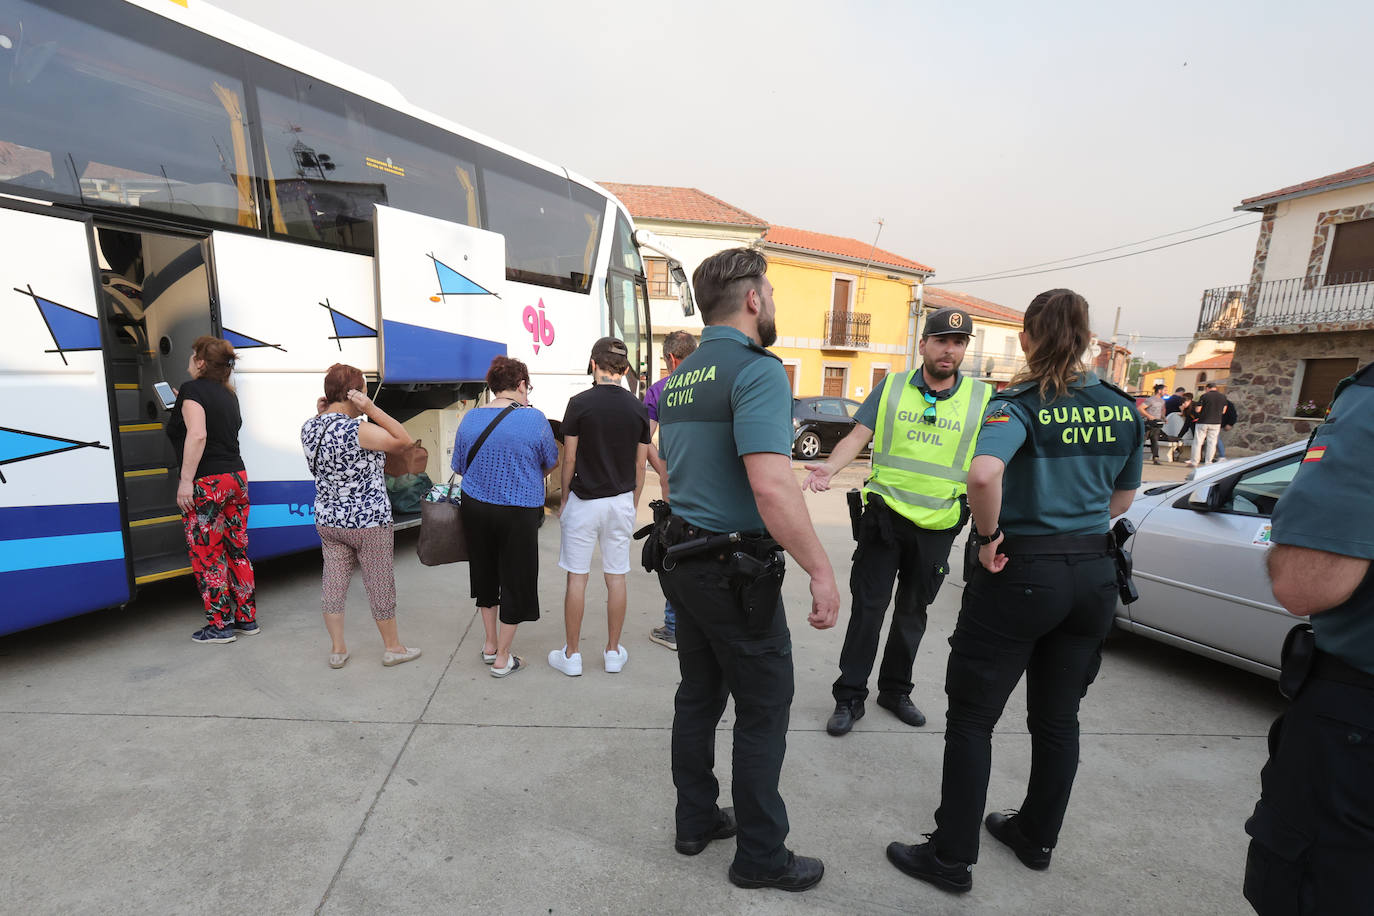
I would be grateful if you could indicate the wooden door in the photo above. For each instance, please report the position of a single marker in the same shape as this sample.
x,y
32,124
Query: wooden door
x,y
839,314
833,386
791,371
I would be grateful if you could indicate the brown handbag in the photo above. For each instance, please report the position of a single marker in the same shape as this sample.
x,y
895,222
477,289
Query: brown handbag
x,y
413,459
442,538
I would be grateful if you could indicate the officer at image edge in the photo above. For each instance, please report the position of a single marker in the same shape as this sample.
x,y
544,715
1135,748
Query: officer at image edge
x,y
1312,831
726,434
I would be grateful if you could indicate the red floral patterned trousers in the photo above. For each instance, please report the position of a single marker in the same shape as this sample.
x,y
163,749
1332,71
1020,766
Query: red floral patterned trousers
x,y
217,539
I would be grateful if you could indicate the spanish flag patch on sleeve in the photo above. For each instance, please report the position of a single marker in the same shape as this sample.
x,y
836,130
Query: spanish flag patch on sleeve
x,y
1314,454
996,418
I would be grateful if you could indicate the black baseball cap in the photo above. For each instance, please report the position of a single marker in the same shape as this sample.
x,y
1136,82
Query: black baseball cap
x,y
610,350
948,321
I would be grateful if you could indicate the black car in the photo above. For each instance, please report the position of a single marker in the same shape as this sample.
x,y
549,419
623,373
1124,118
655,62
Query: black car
x,y
818,423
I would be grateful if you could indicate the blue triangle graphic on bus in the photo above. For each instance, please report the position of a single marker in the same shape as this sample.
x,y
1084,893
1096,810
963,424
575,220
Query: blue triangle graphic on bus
x,y
16,446
243,341
347,327
452,283
71,330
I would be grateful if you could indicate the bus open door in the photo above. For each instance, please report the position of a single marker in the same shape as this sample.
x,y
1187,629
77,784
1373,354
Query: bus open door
x,y
63,537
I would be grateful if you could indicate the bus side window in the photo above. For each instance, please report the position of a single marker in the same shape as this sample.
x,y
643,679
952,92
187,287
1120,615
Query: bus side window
x,y
119,107
552,226
331,155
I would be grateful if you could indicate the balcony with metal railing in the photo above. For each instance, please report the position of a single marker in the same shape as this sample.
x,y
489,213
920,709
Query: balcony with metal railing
x,y
997,367
846,331
1345,301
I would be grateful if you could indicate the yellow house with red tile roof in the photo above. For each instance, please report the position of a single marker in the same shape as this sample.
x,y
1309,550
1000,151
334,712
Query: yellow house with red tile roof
x,y
846,310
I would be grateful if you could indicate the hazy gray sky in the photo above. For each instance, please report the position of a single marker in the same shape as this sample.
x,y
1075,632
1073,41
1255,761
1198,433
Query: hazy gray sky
x,y
987,135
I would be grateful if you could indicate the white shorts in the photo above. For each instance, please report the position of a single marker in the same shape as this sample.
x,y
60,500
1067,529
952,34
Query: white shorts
x,y
585,522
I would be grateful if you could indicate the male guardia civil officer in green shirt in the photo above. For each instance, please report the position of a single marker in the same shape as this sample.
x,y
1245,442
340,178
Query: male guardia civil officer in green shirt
x,y
926,422
726,421
1313,827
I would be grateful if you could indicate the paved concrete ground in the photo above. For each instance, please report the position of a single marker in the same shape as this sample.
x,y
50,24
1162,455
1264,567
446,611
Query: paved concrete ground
x,y
141,773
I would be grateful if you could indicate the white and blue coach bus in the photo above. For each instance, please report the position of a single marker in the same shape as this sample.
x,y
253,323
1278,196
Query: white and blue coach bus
x,y
168,170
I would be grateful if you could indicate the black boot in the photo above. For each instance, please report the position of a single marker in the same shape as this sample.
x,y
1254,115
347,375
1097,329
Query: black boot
x,y
902,707
846,713
1006,830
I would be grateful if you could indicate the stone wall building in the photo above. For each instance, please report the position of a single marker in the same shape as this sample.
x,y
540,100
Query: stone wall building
x,y
1264,398
1305,319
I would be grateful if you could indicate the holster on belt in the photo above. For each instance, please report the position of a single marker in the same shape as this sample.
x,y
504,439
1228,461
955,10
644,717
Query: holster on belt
x,y
1299,656
757,583
970,553
1125,586
655,533
855,499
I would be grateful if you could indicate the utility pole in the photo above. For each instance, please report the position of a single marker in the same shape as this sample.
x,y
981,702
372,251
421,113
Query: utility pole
x,y
1111,360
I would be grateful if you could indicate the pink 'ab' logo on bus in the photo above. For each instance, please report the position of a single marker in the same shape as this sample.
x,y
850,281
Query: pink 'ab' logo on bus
x,y
539,326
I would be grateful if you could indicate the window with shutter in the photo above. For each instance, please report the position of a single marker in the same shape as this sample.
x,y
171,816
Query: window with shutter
x,y
1352,253
1320,377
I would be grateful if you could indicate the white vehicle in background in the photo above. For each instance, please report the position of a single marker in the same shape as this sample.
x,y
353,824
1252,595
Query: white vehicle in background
x,y
1199,552
168,170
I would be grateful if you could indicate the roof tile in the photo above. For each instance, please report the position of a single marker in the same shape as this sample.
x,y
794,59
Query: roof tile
x,y
979,308
688,205
1220,361
854,249
1358,173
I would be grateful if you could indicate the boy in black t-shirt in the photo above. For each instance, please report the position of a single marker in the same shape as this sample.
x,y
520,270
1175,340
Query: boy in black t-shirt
x,y
605,446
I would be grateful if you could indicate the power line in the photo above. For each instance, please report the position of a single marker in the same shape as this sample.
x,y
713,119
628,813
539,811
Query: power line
x,y
986,277
1089,254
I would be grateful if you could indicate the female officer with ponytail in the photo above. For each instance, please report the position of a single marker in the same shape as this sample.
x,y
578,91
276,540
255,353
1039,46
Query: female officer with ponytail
x,y
1059,454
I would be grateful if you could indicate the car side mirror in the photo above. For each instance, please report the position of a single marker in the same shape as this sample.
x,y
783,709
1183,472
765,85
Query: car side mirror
x,y
1206,498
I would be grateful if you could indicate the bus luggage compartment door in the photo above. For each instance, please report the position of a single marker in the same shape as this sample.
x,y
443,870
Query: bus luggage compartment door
x,y
291,311
440,288
63,549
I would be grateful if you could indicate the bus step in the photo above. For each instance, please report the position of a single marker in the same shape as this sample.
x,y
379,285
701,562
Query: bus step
x,y
165,536
149,490
132,406
144,444
125,371
162,566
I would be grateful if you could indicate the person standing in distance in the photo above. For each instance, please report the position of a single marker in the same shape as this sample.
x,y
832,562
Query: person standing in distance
x,y
1312,833
1210,413
605,444
1153,412
926,423
677,346
1058,456
727,437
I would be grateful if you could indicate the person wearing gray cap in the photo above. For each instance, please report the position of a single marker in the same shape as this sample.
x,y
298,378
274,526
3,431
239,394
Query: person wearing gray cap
x,y
926,421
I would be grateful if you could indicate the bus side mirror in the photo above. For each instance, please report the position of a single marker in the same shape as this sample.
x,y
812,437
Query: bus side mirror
x,y
684,289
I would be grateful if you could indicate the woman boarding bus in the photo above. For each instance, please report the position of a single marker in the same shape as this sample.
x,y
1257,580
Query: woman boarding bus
x,y
170,171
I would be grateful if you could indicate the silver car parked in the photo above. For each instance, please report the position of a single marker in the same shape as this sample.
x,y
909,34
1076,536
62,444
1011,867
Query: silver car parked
x,y
1199,551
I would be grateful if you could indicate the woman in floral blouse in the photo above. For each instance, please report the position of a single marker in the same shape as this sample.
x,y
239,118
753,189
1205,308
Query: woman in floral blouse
x,y
352,512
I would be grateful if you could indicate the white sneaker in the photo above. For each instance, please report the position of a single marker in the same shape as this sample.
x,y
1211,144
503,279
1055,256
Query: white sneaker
x,y
616,660
559,659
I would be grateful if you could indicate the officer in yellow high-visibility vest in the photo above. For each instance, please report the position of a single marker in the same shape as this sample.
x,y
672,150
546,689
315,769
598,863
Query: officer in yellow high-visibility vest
x,y
926,423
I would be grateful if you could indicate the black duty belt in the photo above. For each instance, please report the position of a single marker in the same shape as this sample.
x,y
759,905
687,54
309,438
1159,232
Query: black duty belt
x,y
1329,667
688,540
1018,545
